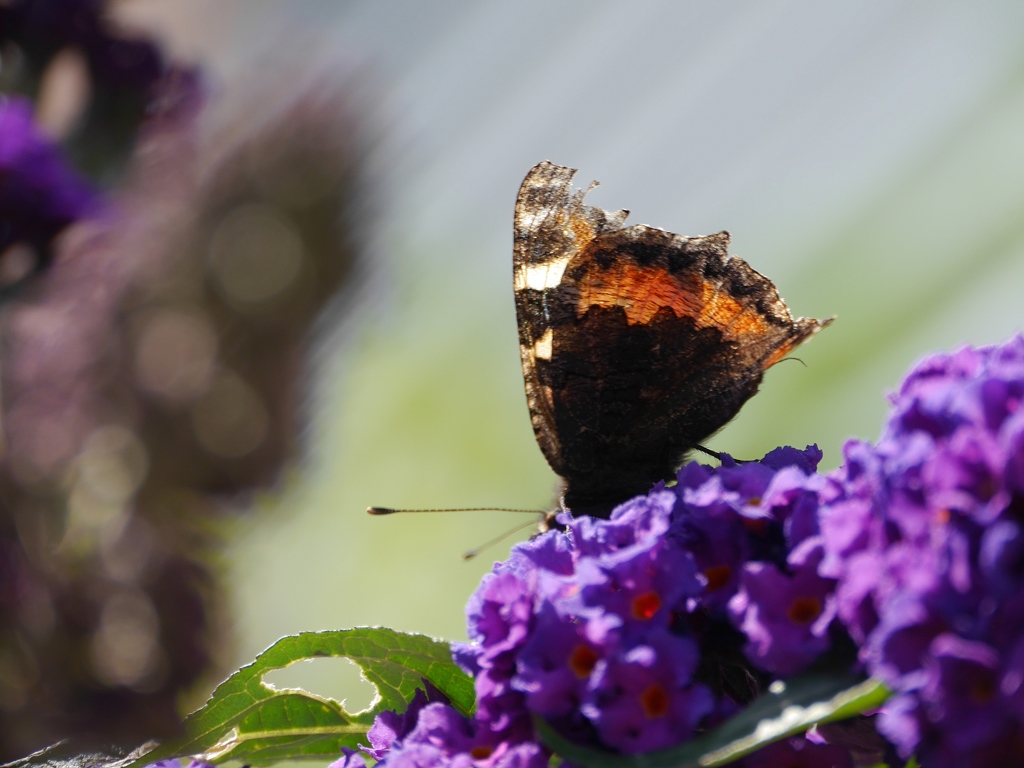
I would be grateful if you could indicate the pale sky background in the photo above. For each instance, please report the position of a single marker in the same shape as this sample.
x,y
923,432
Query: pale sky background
x,y
868,157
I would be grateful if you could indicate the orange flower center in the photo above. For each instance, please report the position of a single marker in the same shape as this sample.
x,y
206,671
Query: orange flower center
x,y
481,752
756,526
982,691
582,661
646,605
655,701
804,610
717,576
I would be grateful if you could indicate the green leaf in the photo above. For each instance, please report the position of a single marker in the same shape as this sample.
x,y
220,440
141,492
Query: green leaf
x,y
792,709
246,719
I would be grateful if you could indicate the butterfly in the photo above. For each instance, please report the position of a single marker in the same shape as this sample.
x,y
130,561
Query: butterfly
x,y
637,344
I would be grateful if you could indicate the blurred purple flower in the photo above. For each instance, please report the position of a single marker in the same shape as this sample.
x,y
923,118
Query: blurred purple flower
x,y
93,362
57,23
39,192
116,61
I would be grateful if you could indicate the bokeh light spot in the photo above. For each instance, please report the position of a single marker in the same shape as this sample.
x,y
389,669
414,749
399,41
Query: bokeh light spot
x,y
255,255
112,463
230,419
125,649
175,354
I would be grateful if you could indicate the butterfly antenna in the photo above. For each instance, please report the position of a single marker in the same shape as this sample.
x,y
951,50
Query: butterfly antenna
x,y
392,511
794,359
470,554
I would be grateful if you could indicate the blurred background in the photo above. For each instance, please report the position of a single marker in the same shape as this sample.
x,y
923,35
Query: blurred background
x,y
867,157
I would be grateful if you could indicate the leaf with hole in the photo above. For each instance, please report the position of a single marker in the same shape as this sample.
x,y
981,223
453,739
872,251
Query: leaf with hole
x,y
246,719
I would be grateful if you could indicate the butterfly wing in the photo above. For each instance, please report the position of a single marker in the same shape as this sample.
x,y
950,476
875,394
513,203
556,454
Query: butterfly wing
x,y
552,225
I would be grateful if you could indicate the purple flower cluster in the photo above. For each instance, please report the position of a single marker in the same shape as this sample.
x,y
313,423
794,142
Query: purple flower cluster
x,y
129,85
752,528
39,192
925,533
625,633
